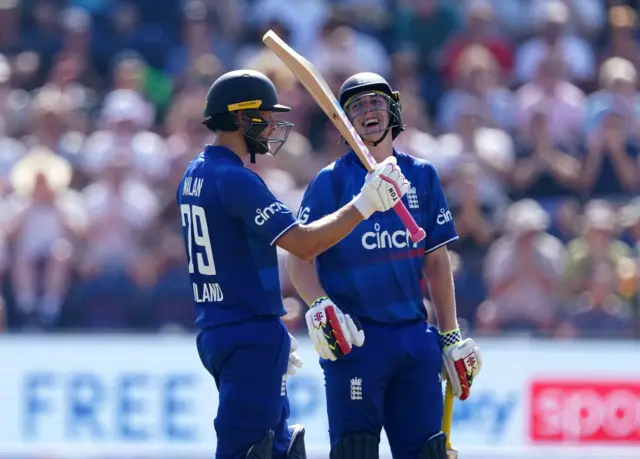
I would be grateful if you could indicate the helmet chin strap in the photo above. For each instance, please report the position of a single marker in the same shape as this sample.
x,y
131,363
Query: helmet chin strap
x,y
379,141
255,147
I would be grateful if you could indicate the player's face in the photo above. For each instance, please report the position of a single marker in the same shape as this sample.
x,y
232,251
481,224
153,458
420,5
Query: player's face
x,y
271,129
369,114
275,129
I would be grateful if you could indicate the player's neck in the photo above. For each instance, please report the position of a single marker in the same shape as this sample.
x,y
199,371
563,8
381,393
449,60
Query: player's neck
x,y
233,142
381,151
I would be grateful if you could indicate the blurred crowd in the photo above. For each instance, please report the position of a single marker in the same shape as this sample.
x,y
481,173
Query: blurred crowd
x,y
529,109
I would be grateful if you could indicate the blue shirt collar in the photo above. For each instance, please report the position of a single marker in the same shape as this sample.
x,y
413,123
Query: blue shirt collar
x,y
351,157
217,151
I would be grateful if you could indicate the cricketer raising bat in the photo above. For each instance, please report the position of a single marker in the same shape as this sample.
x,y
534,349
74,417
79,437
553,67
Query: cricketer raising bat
x,y
447,418
313,82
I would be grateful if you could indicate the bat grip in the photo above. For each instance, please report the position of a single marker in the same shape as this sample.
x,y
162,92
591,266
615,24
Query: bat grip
x,y
448,412
417,234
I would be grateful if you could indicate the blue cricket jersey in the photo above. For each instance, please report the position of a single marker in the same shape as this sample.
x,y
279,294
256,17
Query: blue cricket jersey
x,y
375,273
230,223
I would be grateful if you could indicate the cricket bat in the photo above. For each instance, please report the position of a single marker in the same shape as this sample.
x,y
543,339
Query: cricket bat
x,y
447,418
315,84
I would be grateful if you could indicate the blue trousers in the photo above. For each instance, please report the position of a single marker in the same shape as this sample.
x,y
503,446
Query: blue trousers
x,y
393,382
249,363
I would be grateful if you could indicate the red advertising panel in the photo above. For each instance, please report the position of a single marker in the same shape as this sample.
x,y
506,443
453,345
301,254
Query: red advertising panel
x,y
585,411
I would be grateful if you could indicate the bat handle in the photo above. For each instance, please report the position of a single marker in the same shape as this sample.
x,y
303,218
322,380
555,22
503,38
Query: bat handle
x,y
417,234
447,419
448,413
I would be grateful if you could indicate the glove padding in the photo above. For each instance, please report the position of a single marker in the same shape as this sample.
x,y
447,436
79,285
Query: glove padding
x,y
462,362
383,188
333,333
294,359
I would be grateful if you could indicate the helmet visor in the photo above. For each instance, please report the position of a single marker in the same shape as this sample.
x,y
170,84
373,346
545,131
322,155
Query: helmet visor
x,y
267,129
371,114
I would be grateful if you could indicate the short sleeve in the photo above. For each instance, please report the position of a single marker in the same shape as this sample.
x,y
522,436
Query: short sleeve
x,y
245,196
318,199
439,222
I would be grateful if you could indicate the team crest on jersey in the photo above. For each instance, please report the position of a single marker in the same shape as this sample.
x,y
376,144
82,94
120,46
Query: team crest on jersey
x,y
412,198
356,388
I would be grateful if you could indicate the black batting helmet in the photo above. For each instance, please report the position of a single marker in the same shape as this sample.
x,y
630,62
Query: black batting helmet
x,y
241,95
366,83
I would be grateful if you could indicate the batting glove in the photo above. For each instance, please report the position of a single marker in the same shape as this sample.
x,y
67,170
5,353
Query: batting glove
x,y
383,188
462,362
294,360
333,333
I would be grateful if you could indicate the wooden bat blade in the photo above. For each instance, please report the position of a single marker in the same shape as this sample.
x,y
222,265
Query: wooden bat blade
x,y
315,85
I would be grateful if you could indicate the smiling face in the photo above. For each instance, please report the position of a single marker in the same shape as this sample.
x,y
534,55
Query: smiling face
x,y
369,113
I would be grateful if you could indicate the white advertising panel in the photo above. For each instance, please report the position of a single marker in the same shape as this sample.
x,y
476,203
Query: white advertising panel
x,y
152,392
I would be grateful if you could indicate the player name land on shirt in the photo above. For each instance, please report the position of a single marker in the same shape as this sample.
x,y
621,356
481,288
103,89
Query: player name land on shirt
x,y
209,292
192,187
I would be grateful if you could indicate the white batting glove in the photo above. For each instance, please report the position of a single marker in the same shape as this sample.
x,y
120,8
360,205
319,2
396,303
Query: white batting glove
x,y
294,360
333,333
382,189
462,362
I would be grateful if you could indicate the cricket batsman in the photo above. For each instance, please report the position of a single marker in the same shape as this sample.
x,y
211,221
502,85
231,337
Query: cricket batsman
x,y
370,285
231,224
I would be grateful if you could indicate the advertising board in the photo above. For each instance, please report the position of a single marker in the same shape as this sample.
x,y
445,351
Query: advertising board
x,y
151,391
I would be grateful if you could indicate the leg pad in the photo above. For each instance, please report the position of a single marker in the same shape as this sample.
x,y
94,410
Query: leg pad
x,y
361,446
263,449
296,447
435,447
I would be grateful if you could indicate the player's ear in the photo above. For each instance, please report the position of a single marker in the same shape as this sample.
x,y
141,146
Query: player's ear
x,y
240,118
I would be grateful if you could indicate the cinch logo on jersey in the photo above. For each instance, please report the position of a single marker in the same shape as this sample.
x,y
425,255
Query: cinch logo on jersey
x,y
303,216
377,239
444,217
266,213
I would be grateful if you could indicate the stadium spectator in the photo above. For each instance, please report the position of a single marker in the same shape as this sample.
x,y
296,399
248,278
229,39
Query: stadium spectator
x,y
554,38
610,160
621,42
599,312
617,92
199,38
552,94
121,208
110,95
126,119
425,26
341,46
57,124
567,219
543,169
490,149
479,31
477,226
597,245
523,272
477,78
46,221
